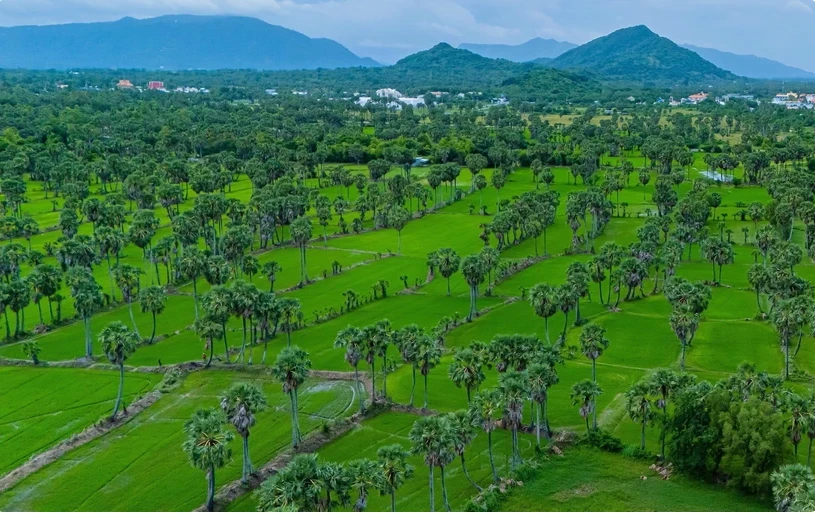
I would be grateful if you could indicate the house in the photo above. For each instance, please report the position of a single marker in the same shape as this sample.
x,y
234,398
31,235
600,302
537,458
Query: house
x,y
300,93
810,98
155,85
124,84
420,162
394,106
388,93
363,101
271,92
413,102
697,98
499,101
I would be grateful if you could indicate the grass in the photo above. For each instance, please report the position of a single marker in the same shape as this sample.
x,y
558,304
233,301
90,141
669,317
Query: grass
x,y
141,465
42,406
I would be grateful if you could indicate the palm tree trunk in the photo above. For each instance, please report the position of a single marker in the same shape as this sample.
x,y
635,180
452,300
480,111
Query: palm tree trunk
x,y
547,429
211,353
195,297
413,386
133,317
809,452
373,379
444,490
153,335
296,417
121,390
546,328
247,463
425,391
226,344
467,474
432,491
385,375
492,458
211,488
359,392
537,425
642,437
293,420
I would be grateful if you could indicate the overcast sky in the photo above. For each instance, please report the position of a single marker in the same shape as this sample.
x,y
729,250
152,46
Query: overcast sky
x,y
390,29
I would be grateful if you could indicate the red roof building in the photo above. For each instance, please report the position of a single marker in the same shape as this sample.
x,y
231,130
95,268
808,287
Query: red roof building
x,y
155,86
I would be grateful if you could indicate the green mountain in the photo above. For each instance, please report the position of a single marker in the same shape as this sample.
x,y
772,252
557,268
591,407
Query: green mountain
x,y
531,50
547,84
172,43
638,55
750,65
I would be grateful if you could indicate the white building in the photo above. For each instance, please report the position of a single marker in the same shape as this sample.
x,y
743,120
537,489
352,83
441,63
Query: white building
x,y
413,102
388,93
363,101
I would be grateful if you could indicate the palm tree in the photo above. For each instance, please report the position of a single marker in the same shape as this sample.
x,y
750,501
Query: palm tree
x,y
336,479
463,434
217,303
209,331
353,340
288,307
364,476
296,487
291,368
585,394
465,371
270,270
544,300
118,343
787,322
485,409
473,269
448,262
541,376
376,339
684,324
87,300
127,279
793,488
428,355
240,403
193,265
407,342
432,438
110,243
513,386
809,424
45,280
301,232
665,383
153,299
593,342
490,257
638,406
244,296
394,468
207,446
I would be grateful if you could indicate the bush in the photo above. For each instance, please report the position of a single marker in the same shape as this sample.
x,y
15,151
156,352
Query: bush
x,y
636,452
603,440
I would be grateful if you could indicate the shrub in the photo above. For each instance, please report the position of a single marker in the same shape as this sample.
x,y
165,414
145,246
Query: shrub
x,y
636,452
603,440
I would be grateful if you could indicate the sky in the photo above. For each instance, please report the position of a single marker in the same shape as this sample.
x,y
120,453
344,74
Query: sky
x,y
388,30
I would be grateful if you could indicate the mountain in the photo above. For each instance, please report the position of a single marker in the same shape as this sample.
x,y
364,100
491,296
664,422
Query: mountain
x,y
750,65
524,52
548,84
637,54
173,43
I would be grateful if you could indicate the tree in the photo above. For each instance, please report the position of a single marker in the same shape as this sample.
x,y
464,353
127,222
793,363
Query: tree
x,y
428,355
684,324
217,304
638,406
541,377
118,343
110,242
485,410
193,265
270,270
793,488
398,218
465,371
240,403
353,341
476,163
292,368
544,300
665,383
432,438
209,331
585,394
593,343
207,446
46,281
364,475
288,308
301,233
127,279
153,300
513,385
473,269
394,468
87,300
32,350
448,262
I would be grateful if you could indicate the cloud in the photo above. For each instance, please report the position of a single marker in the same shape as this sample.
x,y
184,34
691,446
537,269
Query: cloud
x,y
388,30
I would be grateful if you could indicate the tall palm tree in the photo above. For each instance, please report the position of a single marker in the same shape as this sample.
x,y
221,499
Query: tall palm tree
x,y
270,270
585,394
87,301
336,480
485,410
461,423
365,475
353,341
209,331
407,342
288,307
291,368
432,438
110,243
513,386
593,343
217,305
244,296
193,265
428,355
684,324
541,376
638,406
465,371
118,343
153,300
296,487
240,403
394,468
544,300
301,232
665,383
127,279
207,446
376,340
473,269
448,262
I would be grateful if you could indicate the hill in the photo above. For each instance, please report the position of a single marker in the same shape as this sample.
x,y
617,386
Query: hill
x,y
549,84
750,65
639,55
173,43
533,49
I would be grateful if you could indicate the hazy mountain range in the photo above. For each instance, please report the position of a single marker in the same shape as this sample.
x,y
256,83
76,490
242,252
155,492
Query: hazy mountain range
x,y
524,52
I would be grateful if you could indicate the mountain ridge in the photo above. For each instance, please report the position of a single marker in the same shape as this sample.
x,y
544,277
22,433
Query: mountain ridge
x,y
535,48
750,66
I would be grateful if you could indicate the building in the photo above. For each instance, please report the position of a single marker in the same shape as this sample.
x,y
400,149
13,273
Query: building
x,y
388,93
499,101
271,92
124,84
698,98
363,101
413,102
155,85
